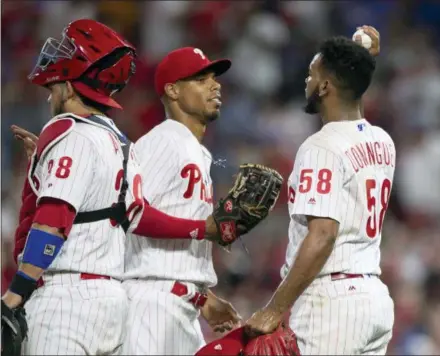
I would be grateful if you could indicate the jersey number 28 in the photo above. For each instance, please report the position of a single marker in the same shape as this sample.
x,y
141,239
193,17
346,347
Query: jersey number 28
x,y
375,221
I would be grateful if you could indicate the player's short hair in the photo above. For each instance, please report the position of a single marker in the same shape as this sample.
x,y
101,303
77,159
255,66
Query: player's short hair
x,y
351,65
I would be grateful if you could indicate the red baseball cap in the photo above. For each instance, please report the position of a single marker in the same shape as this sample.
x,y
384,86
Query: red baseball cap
x,y
184,63
231,344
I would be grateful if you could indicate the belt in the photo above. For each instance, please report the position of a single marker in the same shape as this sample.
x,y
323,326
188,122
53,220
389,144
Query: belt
x,y
339,275
180,290
82,276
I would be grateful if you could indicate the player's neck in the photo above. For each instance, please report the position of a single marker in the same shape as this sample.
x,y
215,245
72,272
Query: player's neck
x,y
82,110
341,112
196,127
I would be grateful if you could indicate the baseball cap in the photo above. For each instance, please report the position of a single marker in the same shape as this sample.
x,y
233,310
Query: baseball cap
x,y
183,63
232,343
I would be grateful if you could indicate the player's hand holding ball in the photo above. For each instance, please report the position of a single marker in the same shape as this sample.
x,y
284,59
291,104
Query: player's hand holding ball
x,y
368,37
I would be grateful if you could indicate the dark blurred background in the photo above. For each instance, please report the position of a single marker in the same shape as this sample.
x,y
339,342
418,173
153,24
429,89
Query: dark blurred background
x,y
271,44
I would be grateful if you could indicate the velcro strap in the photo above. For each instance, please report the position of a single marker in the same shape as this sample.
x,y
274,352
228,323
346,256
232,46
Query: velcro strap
x,y
116,212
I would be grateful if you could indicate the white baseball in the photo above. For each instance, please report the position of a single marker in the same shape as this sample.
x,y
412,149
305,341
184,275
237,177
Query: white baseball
x,y
365,39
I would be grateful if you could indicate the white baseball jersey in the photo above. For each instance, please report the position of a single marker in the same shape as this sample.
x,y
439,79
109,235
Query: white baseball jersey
x,y
84,169
344,172
176,174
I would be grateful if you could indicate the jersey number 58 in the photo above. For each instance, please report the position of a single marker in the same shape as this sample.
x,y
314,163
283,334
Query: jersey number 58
x,y
375,221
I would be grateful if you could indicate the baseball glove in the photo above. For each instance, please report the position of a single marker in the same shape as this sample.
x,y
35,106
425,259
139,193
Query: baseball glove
x,y
254,194
14,330
281,342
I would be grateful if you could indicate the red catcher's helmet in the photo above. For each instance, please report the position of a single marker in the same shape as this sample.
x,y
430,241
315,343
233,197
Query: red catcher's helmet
x,y
94,58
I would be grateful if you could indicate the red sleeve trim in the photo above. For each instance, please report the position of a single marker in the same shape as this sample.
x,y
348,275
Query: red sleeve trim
x,y
158,225
55,213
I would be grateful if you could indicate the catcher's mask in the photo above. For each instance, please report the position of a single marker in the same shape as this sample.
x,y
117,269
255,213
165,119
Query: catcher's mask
x,y
97,60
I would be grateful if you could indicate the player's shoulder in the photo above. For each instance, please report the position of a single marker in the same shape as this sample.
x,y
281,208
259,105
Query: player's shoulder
x,y
62,127
319,141
162,136
57,129
381,133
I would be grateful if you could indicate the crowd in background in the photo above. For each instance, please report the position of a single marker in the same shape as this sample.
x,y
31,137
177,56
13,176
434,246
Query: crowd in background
x,y
271,44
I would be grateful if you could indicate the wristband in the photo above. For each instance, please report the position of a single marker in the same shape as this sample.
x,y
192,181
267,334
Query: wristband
x,y
23,285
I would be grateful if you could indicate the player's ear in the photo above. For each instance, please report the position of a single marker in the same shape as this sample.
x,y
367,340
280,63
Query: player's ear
x,y
172,90
324,87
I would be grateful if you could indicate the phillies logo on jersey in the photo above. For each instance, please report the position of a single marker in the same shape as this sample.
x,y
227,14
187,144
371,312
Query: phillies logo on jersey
x,y
194,175
227,230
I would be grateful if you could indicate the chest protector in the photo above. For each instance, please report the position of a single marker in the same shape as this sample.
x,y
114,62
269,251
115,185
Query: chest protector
x,y
118,211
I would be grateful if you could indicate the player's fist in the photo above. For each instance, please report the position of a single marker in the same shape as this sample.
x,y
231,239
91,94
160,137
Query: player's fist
x,y
28,138
263,321
375,39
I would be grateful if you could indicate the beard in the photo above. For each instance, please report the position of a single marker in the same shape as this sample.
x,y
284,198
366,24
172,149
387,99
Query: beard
x,y
313,103
211,116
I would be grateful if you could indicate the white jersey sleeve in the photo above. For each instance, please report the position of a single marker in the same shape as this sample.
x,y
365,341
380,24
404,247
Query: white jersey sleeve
x,y
317,183
67,170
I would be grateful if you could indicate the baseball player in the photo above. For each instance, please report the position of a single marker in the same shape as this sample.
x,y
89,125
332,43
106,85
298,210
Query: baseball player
x,y
85,177
338,196
168,280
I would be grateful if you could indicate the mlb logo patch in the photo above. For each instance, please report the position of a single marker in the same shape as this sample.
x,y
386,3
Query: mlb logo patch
x,y
49,250
361,127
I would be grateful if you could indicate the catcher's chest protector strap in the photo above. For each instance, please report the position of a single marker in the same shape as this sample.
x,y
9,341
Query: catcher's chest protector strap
x,y
118,211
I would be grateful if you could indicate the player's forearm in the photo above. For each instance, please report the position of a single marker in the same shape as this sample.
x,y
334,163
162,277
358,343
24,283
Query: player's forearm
x,y
34,271
43,245
156,224
312,256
